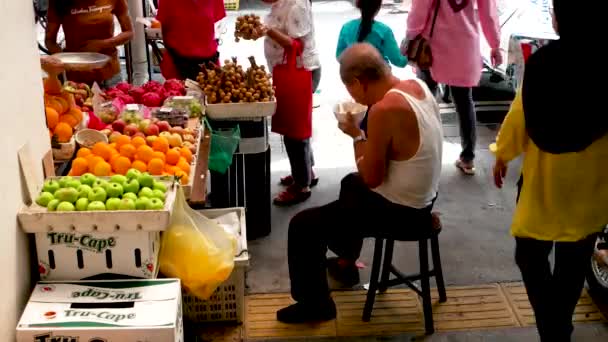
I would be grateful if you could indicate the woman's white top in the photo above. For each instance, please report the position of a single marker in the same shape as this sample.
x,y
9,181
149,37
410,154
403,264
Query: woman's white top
x,y
415,182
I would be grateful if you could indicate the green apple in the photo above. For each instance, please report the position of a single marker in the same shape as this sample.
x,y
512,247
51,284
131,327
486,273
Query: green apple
x,y
98,194
119,179
158,194
82,204
156,204
131,186
146,192
142,203
52,206
73,183
114,190
160,186
67,195
88,179
130,195
51,186
146,180
96,206
126,204
63,181
84,191
112,203
44,198
133,174
65,206
101,183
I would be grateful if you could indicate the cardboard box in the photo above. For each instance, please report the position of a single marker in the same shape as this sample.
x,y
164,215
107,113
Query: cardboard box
x,y
79,255
103,311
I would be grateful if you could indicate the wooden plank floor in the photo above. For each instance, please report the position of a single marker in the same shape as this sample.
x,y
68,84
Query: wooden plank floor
x,y
400,311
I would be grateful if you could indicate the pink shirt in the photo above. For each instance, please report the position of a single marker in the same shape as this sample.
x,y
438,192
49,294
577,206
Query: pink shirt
x,y
455,43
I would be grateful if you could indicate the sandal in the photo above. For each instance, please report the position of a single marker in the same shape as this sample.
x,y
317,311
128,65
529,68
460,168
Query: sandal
x,y
468,168
292,195
288,181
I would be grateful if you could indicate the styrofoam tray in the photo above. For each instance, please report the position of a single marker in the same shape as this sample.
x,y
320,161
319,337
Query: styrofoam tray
x,y
37,219
225,111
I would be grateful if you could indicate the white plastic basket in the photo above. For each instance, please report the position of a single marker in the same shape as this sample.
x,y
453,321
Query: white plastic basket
x,y
227,304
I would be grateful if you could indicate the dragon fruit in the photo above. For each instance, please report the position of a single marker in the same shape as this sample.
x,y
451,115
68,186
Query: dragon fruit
x,y
126,99
152,86
137,93
152,99
175,85
114,92
124,87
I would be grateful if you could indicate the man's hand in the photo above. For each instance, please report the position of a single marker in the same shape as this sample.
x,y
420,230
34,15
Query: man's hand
x,y
349,127
500,171
52,65
496,57
94,46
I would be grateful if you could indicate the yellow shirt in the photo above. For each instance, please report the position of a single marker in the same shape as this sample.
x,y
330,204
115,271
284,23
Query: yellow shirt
x,y
564,196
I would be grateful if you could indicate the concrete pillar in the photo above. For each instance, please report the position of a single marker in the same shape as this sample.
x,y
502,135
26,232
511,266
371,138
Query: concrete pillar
x,y
138,56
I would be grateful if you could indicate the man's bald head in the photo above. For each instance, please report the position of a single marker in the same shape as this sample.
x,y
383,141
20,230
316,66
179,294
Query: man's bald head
x,y
364,63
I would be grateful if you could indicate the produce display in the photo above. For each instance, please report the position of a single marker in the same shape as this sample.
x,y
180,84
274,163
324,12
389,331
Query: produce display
x,y
192,105
134,191
152,94
62,113
248,27
232,84
83,95
156,155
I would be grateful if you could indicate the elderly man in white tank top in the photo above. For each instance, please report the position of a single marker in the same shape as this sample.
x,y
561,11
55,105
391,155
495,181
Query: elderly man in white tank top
x,y
392,194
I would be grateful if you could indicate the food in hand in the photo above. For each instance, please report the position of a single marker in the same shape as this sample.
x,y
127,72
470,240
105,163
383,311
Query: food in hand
x,y
232,84
248,27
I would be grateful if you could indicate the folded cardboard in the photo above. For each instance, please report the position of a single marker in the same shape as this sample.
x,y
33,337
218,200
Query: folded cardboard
x,y
108,311
76,255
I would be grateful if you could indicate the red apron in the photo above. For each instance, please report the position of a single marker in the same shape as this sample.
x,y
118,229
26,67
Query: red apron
x,y
293,92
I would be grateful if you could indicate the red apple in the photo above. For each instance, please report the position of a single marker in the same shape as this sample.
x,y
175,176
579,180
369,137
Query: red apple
x,y
139,134
150,139
176,129
119,126
163,126
152,129
130,130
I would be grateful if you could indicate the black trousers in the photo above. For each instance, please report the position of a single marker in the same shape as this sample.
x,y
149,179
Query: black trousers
x,y
190,67
299,152
341,226
554,294
465,108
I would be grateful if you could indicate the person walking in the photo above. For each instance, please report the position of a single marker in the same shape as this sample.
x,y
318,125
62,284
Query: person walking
x,y
452,29
563,192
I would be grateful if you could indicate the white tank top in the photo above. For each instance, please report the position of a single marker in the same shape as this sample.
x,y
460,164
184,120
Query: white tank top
x,y
415,182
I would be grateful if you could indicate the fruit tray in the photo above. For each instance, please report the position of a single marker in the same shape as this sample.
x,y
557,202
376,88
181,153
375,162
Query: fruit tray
x,y
37,219
249,110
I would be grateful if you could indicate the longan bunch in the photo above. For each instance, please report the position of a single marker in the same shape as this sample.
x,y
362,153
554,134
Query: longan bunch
x,y
231,84
248,27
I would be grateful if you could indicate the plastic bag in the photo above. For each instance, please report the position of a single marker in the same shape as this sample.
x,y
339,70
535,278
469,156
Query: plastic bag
x,y
223,146
196,250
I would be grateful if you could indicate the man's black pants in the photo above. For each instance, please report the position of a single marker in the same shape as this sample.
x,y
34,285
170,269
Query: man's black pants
x,y
554,295
341,226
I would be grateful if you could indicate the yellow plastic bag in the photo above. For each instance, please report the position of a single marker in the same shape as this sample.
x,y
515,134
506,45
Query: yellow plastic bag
x,y
196,250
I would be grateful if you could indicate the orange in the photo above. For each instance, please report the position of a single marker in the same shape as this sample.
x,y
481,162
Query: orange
x,y
145,153
184,165
138,141
102,169
103,150
172,156
160,156
70,99
69,119
139,165
114,158
128,150
93,161
52,85
186,153
63,132
52,117
53,103
183,177
173,170
65,106
122,140
77,113
121,165
113,146
161,144
156,166
83,152
80,166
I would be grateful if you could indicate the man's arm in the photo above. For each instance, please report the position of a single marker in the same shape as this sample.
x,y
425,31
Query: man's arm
x,y
52,28
121,11
372,155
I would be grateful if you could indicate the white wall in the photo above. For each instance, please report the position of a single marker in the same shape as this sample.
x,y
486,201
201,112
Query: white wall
x,y
23,121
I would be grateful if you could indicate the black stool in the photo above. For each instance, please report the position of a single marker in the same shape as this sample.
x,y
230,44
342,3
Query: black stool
x,y
424,275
